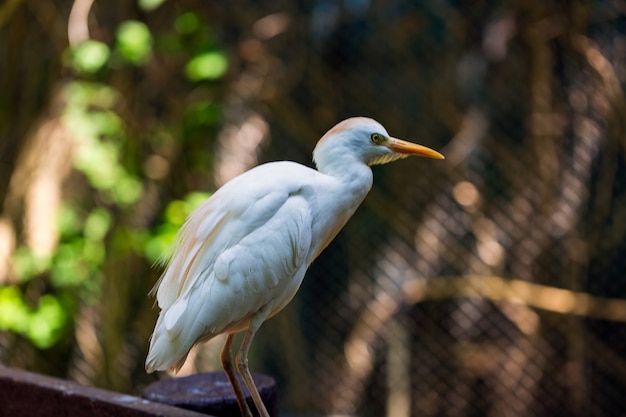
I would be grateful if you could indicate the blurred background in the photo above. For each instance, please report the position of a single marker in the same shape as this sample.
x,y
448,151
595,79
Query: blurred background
x,y
489,284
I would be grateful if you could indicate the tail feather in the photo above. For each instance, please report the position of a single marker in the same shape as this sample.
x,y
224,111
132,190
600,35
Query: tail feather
x,y
165,353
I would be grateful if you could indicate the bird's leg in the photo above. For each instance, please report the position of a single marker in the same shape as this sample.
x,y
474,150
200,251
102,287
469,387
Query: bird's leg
x,y
242,365
226,358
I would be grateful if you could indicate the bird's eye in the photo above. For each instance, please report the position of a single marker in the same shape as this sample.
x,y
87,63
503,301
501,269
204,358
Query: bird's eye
x,y
377,138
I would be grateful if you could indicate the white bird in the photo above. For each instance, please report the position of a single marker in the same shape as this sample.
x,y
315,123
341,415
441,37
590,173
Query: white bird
x,y
241,256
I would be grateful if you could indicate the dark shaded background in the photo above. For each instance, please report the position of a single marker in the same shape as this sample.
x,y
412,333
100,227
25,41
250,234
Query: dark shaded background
x,y
488,284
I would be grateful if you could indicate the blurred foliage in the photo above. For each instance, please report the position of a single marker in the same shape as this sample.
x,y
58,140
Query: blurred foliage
x,y
111,208
206,66
157,242
100,135
42,324
88,56
496,286
134,42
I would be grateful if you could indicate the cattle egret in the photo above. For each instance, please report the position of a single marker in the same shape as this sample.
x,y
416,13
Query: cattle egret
x,y
241,256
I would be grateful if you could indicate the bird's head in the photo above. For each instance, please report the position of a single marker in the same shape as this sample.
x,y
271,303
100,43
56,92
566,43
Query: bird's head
x,y
366,140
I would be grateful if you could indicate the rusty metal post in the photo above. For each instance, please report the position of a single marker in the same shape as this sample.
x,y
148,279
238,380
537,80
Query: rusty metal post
x,y
210,393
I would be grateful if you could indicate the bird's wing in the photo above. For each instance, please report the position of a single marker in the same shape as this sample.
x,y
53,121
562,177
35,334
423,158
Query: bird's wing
x,y
219,223
262,271
243,252
253,232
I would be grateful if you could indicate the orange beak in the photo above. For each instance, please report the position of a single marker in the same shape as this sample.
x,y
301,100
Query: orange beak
x,y
408,148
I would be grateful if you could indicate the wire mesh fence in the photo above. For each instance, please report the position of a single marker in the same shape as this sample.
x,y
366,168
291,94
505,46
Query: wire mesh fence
x,y
489,284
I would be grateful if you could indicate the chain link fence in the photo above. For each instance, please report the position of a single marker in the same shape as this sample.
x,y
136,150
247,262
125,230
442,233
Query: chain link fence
x,y
491,284
488,284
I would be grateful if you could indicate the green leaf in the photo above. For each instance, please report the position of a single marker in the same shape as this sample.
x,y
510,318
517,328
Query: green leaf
x,y
81,95
27,265
70,267
206,66
68,221
89,56
187,23
176,213
47,322
127,191
202,114
134,42
149,5
14,314
97,224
